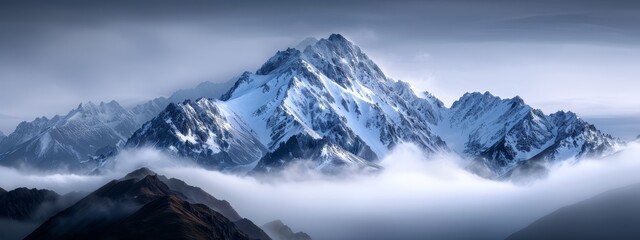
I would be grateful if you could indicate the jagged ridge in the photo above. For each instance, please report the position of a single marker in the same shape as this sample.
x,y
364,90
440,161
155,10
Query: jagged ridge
x,y
87,135
331,98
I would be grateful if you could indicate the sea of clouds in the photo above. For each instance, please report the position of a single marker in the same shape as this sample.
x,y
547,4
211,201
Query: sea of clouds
x,y
412,198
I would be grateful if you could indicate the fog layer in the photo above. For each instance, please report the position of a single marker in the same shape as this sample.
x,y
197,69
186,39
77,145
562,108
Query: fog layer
x,y
413,198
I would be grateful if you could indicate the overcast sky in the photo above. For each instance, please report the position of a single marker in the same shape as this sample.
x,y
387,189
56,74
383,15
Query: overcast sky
x,y
581,56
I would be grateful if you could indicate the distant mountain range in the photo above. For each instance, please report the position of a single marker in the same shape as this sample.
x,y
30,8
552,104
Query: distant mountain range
x,y
79,140
141,205
324,102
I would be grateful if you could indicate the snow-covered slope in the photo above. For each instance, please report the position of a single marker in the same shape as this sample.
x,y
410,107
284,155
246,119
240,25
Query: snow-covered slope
x,y
205,131
502,133
334,94
66,141
327,102
86,135
2,136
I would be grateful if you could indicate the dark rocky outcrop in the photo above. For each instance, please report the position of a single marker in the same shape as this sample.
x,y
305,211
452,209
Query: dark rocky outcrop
x,y
142,206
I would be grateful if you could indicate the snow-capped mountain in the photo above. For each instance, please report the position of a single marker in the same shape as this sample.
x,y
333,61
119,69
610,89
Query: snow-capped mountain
x,y
324,102
2,136
87,134
202,130
504,133
331,104
66,141
334,94
329,100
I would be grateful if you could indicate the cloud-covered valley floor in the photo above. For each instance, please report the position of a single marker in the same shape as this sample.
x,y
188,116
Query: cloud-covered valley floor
x,y
413,198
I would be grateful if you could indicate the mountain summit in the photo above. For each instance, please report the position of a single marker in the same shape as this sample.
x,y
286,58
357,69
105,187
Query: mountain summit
x,y
331,105
325,104
145,205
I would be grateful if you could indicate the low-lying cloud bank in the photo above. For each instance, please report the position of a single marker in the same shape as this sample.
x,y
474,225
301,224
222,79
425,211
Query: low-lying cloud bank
x,y
413,198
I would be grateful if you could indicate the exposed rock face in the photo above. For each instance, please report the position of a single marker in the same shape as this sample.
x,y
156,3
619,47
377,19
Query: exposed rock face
x,y
22,209
24,204
253,231
212,136
142,206
190,193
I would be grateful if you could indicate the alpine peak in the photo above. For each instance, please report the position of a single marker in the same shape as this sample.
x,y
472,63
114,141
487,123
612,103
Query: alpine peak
x,y
331,104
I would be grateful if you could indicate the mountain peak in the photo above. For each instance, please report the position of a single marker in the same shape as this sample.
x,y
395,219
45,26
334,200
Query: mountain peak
x,y
564,116
153,207
518,99
344,62
280,59
474,97
139,174
331,103
337,44
486,98
336,37
86,105
102,107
